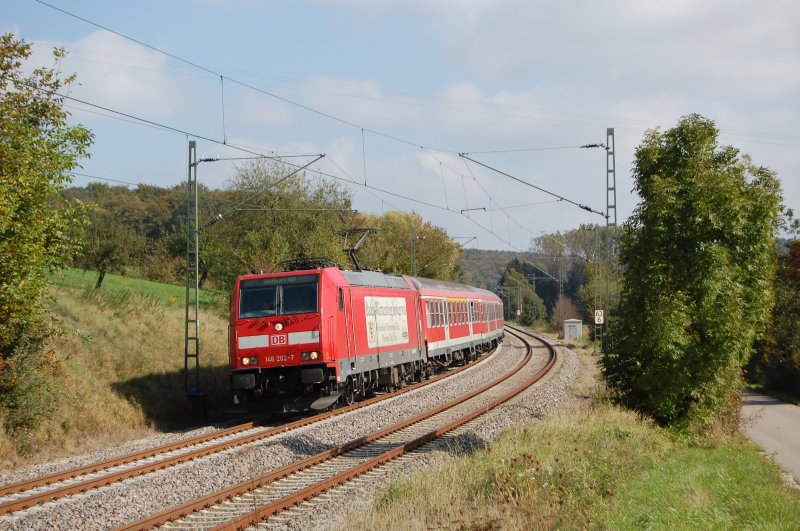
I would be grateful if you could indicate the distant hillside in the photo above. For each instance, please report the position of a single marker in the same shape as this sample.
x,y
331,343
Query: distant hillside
x,y
483,268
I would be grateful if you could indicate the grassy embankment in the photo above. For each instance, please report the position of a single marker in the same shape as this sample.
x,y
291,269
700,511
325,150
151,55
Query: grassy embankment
x,y
593,465
120,365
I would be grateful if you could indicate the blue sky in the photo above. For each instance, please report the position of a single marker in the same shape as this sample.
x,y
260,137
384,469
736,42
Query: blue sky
x,y
447,76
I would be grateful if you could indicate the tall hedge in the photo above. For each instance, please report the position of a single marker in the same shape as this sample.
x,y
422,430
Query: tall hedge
x,y
699,259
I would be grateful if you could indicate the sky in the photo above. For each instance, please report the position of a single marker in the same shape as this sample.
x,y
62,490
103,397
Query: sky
x,y
392,92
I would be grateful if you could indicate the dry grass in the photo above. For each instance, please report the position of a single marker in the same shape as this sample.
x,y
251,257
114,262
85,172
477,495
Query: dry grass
x,y
592,465
120,360
549,474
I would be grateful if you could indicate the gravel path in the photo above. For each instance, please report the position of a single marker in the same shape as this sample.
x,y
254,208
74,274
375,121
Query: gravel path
x,y
140,497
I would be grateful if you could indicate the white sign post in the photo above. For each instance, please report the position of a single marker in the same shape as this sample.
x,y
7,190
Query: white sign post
x,y
598,317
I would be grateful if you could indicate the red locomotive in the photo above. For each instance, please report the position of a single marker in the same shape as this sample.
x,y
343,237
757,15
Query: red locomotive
x,y
306,339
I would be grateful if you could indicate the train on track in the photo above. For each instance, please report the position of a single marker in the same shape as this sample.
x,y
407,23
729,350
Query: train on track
x,y
307,339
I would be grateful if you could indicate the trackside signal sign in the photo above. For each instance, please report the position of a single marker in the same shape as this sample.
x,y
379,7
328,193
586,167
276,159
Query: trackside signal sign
x,y
598,317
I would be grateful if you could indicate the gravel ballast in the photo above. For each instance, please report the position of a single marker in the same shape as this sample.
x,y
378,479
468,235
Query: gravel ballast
x,y
137,498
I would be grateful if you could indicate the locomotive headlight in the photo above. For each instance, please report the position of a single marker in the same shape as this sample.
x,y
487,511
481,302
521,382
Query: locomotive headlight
x,y
279,326
304,355
245,361
313,355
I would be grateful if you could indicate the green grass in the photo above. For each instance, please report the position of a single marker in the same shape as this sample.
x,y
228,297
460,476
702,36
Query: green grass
x,y
591,467
728,487
118,367
168,294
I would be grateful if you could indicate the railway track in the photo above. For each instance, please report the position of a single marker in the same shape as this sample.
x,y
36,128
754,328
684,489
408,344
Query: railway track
x,y
26,494
260,498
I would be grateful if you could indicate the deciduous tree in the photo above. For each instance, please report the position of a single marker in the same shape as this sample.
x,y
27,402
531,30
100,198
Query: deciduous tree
x,y
37,232
699,258
521,296
779,358
109,245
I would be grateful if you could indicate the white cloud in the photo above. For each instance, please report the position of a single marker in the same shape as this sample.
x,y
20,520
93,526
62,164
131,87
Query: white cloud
x,y
483,75
117,73
248,108
746,48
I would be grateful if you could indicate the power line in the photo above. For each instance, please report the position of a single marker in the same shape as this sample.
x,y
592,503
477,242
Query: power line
x,y
521,150
526,183
112,117
491,199
73,15
524,205
78,174
219,216
258,157
159,125
583,116
505,109
174,129
238,82
259,90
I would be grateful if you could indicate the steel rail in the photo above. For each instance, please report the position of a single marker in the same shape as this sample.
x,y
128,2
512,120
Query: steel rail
x,y
262,513
99,466
25,502
254,483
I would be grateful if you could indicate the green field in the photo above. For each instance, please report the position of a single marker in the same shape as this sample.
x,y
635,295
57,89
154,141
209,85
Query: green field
x,y
168,294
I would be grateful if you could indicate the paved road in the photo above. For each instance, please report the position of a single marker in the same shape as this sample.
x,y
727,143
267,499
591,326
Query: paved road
x,y
775,426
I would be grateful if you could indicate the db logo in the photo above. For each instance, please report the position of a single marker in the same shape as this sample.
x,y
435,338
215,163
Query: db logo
x,y
277,340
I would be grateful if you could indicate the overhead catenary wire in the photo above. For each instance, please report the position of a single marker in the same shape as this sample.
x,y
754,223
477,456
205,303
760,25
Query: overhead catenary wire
x,y
523,150
277,157
486,192
238,82
86,175
222,77
257,89
364,154
526,183
219,216
444,185
168,127
222,96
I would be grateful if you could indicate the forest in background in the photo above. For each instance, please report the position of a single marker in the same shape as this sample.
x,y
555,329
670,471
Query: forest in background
x,y
140,231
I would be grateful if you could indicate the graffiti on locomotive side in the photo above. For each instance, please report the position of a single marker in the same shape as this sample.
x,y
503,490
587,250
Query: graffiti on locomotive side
x,y
387,321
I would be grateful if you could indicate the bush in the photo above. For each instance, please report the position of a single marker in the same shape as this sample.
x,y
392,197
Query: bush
x,y
28,390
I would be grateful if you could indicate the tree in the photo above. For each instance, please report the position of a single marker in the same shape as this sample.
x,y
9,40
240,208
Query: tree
x,y
698,257
516,285
564,309
38,231
779,357
405,243
109,245
300,217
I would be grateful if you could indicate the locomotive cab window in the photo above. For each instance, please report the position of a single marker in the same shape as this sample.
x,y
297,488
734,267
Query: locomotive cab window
x,y
264,297
258,302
